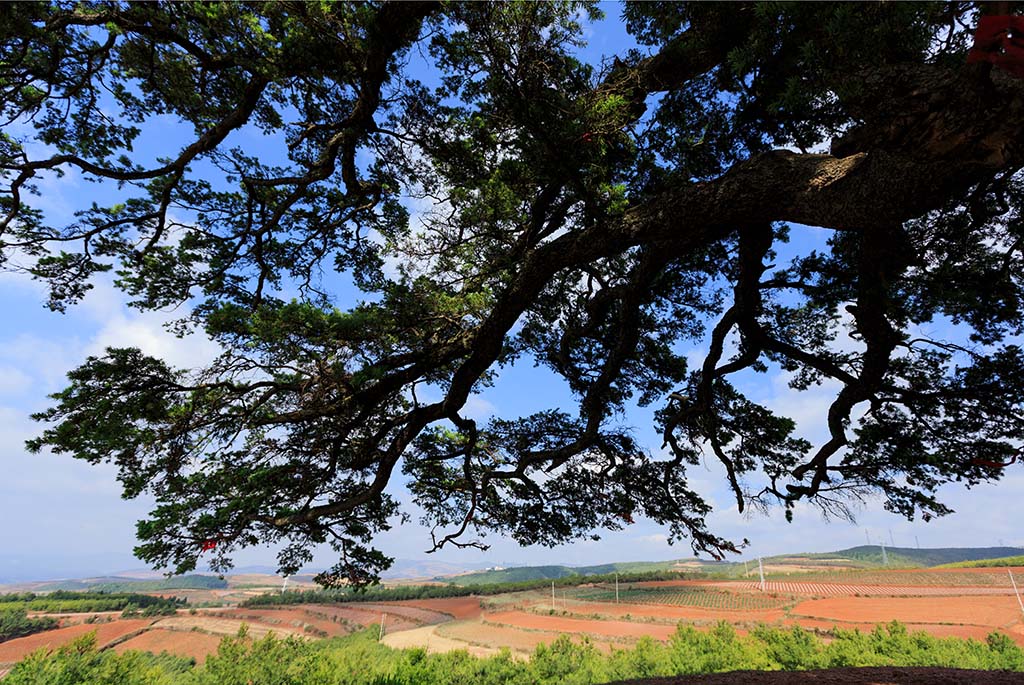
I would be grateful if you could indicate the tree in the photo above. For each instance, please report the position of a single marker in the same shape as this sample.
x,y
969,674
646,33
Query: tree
x,y
600,220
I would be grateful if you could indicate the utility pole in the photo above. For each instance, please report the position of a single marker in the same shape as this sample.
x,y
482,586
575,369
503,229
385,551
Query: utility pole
x,y
1016,591
891,538
867,536
885,557
746,571
552,595
760,568
918,542
616,588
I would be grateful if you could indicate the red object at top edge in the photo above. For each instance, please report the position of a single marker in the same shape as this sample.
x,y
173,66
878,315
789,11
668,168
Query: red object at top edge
x,y
999,39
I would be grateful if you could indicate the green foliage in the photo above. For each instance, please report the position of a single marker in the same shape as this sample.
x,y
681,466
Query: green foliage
x,y
987,563
360,660
63,601
598,220
79,663
14,623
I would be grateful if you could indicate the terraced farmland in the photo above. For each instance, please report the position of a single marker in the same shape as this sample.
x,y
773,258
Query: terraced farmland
x,y
954,578
692,596
864,590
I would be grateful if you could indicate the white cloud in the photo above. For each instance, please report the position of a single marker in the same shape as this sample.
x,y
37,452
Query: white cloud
x,y
13,381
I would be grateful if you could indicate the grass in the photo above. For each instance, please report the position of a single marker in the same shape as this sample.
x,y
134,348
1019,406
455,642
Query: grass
x,y
987,563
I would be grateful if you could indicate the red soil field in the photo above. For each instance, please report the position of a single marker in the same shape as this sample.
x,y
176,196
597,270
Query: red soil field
x,y
357,615
406,611
187,644
456,607
17,649
486,635
674,613
979,611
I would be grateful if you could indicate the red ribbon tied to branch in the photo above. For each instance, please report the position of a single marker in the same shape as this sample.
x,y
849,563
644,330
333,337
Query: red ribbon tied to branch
x,y
208,545
999,39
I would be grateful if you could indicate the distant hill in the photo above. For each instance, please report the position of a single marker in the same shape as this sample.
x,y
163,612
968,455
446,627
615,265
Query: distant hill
x,y
871,555
521,573
863,557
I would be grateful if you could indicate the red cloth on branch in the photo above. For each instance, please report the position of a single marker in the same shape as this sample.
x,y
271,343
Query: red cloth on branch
x,y
999,39
996,464
208,545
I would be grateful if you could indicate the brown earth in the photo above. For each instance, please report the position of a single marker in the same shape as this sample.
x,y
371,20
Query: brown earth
x,y
407,612
188,644
844,676
19,648
493,637
456,607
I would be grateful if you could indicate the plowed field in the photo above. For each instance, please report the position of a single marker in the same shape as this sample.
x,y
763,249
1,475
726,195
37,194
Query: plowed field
x,y
559,624
689,595
456,607
994,612
661,613
188,644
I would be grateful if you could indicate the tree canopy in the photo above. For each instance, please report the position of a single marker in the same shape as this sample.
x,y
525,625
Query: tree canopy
x,y
601,219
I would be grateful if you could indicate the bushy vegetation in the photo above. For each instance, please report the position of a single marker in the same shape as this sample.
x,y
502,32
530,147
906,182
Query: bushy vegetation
x,y
360,660
64,602
394,594
15,623
988,563
190,582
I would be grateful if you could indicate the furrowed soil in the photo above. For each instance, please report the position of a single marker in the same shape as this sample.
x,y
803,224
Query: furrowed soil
x,y
994,612
559,624
188,644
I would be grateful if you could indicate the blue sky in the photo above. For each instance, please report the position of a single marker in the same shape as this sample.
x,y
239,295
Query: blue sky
x,y
60,517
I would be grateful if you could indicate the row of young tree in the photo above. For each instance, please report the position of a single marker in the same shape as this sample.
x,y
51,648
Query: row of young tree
x,y
62,601
360,660
380,593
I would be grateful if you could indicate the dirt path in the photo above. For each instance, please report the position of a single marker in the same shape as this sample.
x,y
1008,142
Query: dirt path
x,y
427,638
